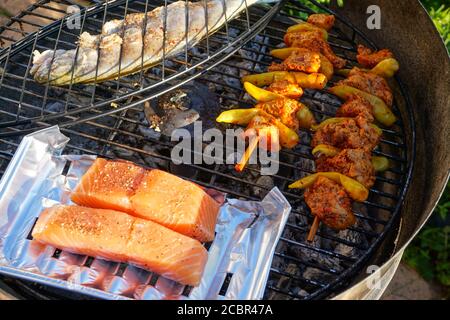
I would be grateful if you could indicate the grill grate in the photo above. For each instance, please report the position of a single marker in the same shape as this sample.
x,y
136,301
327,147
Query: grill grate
x,y
300,270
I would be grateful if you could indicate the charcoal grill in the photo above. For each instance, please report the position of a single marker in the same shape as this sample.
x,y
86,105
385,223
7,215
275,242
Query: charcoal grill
x,y
108,119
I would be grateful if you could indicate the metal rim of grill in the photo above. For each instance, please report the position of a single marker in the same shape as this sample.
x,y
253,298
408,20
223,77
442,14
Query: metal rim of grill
x,y
106,129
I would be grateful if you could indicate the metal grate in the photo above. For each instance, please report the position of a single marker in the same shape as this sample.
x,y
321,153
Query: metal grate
x,y
27,103
300,270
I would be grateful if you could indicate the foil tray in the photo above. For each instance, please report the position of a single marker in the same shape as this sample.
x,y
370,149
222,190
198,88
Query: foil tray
x,y
40,176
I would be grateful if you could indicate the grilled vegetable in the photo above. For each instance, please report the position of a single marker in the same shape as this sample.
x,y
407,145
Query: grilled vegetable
x,y
326,67
305,26
288,137
304,80
241,117
386,68
355,189
259,94
381,111
262,131
380,164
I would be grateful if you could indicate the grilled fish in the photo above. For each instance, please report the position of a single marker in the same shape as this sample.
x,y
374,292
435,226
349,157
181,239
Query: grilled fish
x,y
117,236
125,47
154,195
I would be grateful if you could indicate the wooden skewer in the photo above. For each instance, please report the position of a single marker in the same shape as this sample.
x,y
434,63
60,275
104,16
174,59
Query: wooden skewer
x,y
247,154
313,230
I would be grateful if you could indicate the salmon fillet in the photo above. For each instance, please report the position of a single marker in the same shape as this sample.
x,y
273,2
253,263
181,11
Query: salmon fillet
x,y
108,185
177,204
154,195
117,236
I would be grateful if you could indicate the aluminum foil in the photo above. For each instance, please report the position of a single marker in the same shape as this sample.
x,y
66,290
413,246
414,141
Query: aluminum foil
x,y
40,176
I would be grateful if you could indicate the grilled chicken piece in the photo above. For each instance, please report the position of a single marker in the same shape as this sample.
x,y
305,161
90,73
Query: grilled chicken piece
x,y
356,107
314,41
348,134
286,88
330,203
369,59
283,109
370,83
300,60
325,21
353,163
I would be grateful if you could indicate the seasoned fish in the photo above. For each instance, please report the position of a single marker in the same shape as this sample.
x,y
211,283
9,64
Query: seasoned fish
x,y
116,236
122,43
154,195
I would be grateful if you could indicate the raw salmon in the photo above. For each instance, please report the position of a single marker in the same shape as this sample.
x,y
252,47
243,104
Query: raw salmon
x,y
117,236
176,204
155,195
108,185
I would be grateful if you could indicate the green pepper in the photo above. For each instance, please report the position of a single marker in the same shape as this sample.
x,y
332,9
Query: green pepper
x,y
355,190
380,110
380,164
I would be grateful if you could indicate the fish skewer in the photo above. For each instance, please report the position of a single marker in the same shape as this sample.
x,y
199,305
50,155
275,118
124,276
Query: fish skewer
x,y
122,48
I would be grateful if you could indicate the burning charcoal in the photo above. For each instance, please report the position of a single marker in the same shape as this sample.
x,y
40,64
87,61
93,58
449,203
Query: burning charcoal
x,y
55,107
317,275
151,159
264,181
181,107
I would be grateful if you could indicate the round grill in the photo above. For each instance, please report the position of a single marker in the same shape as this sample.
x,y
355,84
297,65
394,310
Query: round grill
x,y
108,119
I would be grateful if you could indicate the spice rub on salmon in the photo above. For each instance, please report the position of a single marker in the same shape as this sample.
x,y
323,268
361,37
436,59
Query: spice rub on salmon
x,y
150,194
120,237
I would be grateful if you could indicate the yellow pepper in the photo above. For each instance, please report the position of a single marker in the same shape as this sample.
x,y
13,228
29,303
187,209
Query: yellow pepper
x,y
355,190
319,126
305,26
325,150
326,67
380,110
241,117
386,69
380,164
259,94
306,117
304,80
288,137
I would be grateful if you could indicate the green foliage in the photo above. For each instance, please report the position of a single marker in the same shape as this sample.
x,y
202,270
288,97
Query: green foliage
x,y
429,253
440,13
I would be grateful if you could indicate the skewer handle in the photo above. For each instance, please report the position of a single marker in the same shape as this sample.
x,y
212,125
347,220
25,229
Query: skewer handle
x,y
248,153
313,230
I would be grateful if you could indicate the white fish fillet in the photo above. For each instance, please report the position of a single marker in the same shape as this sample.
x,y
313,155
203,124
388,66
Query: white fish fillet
x,y
125,38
